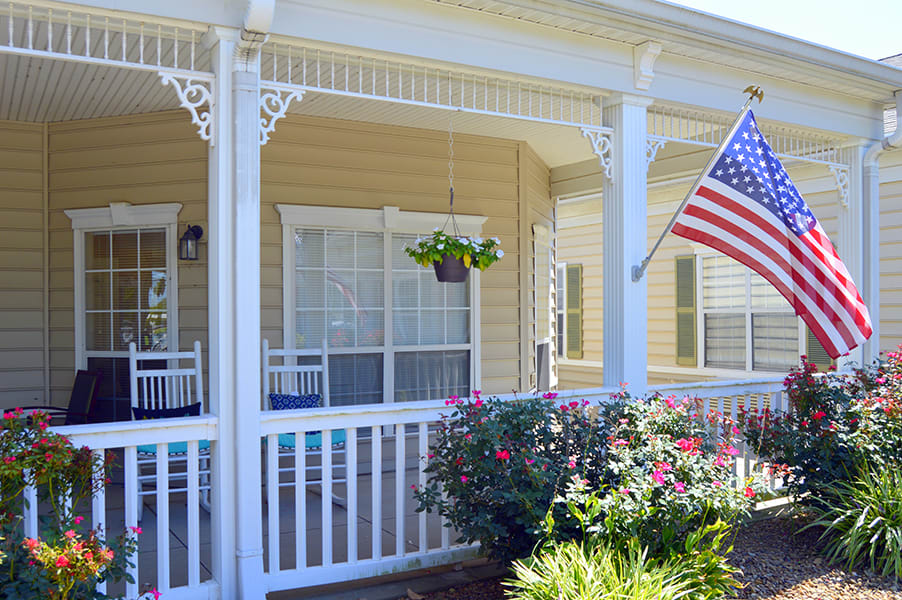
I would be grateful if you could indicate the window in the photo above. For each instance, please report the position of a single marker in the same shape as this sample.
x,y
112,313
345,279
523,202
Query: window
x,y
560,309
394,333
543,301
743,321
569,310
124,287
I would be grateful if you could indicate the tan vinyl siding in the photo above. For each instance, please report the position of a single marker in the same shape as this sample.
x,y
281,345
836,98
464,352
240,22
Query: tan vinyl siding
x,y
328,162
891,250
540,211
141,159
21,264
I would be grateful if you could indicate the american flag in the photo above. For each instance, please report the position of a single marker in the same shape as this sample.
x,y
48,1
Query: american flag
x,y
747,207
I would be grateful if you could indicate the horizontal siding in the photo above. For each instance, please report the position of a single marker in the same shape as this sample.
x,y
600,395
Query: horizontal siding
x,y
328,162
21,264
891,250
141,159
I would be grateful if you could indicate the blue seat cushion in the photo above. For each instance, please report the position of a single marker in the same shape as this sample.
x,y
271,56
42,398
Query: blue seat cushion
x,y
313,439
295,401
175,447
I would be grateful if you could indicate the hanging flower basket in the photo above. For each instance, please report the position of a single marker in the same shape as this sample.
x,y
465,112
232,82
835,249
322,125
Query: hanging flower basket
x,y
450,269
452,256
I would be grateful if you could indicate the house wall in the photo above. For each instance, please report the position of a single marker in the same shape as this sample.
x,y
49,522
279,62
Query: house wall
x,y
328,162
22,298
891,250
140,159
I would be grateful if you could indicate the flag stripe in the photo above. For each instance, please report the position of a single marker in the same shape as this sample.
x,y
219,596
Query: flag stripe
x,y
813,261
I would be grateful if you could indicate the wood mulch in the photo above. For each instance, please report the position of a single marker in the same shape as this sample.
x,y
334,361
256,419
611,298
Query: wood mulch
x,y
776,565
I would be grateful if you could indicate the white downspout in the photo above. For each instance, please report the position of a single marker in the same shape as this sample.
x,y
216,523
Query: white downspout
x,y
871,175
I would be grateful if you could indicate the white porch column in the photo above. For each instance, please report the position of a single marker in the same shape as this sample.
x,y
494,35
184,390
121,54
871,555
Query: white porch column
x,y
869,286
246,289
625,213
221,316
853,246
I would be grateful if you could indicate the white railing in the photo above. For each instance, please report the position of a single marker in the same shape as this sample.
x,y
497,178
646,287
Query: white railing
x,y
380,444
115,506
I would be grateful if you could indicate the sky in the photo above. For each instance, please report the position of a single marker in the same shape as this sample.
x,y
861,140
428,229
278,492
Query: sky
x,y
869,28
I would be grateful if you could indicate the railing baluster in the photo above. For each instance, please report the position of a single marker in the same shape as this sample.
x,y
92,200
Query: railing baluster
x,y
30,496
399,490
162,493
30,29
69,32
9,25
193,474
175,49
87,35
326,478
376,470
106,38
141,43
421,481
124,40
49,30
272,497
131,511
300,495
159,45
351,487
98,500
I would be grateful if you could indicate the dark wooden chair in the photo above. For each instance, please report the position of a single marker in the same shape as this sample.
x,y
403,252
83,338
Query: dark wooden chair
x,y
81,401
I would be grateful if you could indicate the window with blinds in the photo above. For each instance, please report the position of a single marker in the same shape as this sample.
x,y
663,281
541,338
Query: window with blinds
x,y
341,278
747,324
126,291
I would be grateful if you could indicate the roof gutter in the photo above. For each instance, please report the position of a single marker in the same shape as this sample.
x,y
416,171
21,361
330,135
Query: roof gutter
x,y
254,32
891,142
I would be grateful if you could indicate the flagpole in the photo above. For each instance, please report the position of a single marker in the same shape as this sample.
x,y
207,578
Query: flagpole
x,y
754,92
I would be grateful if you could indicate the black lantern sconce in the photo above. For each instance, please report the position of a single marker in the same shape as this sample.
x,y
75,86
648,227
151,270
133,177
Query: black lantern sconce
x,y
188,243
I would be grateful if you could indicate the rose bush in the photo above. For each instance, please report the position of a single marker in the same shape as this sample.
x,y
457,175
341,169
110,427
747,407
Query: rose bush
x,y
65,560
496,466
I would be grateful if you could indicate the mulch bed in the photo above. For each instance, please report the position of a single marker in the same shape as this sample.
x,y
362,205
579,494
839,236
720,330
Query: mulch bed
x,y
776,565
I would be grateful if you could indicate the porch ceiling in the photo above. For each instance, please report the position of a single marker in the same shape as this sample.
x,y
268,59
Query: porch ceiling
x,y
44,90
41,90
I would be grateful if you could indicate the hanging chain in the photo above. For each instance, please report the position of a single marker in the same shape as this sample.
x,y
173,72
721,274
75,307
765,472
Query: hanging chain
x,y
451,179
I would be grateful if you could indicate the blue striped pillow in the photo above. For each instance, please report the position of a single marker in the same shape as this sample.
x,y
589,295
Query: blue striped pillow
x,y
293,401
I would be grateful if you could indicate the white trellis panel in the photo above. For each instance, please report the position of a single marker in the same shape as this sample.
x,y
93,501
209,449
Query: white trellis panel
x,y
349,74
89,35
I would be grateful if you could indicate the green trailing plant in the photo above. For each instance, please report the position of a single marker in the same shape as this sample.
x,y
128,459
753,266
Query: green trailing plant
x,y
474,251
862,521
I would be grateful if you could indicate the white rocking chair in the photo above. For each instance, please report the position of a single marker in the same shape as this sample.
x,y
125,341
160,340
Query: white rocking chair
x,y
172,391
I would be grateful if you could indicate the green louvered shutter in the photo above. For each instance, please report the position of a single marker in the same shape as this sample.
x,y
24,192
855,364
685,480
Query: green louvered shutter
x,y
574,311
816,353
685,311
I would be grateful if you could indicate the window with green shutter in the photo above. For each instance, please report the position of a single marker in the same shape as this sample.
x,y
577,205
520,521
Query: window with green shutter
x,y
574,320
685,311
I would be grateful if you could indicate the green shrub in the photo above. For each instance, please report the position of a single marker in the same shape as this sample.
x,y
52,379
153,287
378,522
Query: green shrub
x,y
496,466
834,426
579,571
863,521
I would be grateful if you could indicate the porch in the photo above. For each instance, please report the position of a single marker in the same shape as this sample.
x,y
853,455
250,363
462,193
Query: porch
x,y
309,166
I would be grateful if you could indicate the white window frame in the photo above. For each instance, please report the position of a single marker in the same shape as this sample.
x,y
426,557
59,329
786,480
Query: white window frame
x,y
700,253
543,239
387,220
117,217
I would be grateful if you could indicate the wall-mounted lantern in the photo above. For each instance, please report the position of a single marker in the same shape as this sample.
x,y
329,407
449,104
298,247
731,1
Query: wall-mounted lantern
x,y
188,243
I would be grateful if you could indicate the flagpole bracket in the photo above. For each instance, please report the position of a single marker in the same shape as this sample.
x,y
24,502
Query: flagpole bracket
x,y
639,270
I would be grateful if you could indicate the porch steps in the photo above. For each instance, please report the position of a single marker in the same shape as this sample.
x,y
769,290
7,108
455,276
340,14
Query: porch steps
x,y
395,586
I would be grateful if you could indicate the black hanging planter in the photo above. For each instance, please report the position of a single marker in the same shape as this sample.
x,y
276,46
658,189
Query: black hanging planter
x,y
451,269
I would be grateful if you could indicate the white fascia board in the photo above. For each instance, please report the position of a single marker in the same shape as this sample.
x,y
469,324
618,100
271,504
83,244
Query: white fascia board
x,y
229,13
